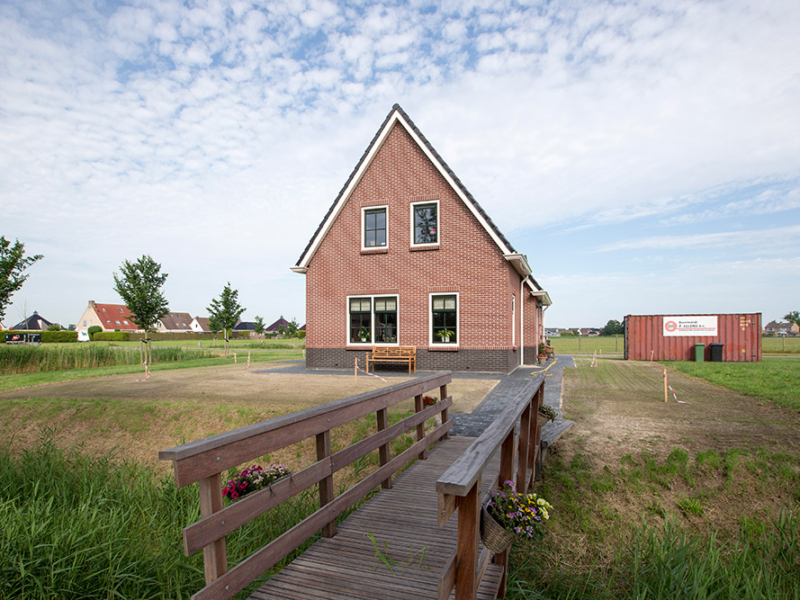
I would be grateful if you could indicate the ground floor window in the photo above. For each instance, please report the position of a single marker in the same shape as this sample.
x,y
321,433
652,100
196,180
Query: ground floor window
x,y
372,320
444,318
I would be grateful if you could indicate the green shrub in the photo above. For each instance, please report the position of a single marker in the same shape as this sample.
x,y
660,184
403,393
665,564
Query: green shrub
x,y
111,336
94,329
59,337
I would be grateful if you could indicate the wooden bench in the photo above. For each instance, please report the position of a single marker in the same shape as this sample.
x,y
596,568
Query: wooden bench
x,y
407,354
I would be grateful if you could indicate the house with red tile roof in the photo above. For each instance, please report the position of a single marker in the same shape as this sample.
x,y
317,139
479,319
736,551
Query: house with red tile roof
x,y
108,316
406,256
200,325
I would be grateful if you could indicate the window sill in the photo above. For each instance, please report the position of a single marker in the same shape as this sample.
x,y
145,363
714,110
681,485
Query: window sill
x,y
423,248
442,348
374,250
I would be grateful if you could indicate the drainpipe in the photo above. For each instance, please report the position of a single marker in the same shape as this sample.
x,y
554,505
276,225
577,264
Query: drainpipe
x,y
522,322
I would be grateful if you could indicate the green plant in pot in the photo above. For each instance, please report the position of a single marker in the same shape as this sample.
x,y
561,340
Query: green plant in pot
x,y
444,335
363,334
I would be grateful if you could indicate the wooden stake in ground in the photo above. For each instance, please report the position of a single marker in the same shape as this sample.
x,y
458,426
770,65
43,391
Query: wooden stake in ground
x,y
665,386
355,372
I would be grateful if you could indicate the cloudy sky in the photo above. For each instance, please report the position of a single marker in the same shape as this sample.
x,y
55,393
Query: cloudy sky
x,y
644,155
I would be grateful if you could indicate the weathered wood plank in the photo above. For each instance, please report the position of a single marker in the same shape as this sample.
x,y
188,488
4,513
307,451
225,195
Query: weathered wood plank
x,y
464,472
215,555
202,458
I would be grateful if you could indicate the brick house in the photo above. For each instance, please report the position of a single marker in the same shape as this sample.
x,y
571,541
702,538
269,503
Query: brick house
x,y
406,256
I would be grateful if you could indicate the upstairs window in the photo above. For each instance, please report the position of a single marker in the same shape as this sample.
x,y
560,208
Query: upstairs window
x,y
425,223
444,319
374,220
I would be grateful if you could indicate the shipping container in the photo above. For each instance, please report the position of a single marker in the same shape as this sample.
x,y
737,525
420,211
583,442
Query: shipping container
x,y
676,337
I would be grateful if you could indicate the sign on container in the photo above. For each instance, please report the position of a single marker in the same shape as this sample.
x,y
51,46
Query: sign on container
x,y
686,326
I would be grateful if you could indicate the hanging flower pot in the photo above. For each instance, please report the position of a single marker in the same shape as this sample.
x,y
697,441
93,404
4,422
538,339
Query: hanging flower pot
x,y
493,535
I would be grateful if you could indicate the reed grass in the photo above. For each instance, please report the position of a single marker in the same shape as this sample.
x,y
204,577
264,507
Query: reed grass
x,y
37,359
75,526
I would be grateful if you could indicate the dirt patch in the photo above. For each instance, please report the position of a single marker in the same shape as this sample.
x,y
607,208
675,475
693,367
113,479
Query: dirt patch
x,y
137,419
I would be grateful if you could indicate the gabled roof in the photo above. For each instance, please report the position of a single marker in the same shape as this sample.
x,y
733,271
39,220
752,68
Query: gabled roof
x,y
398,116
177,320
276,325
245,326
203,323
110,314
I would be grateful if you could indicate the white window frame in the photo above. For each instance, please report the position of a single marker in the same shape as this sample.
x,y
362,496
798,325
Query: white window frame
x,y
370,343
431,340
363,231
438,224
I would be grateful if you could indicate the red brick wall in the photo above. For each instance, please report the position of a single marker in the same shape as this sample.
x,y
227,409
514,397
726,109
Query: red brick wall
x,y
466,261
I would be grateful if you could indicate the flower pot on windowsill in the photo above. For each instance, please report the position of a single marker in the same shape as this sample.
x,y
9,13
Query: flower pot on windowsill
x,y
446,340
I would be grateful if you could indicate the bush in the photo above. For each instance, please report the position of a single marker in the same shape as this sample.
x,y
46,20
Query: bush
x,y
94,329
54,327
59,337
301,334
111,336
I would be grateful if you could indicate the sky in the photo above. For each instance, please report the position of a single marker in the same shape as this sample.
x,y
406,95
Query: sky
x,y
645,156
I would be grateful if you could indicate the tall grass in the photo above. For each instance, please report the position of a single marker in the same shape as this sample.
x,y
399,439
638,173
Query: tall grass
x,y
667,563
36,359
73,526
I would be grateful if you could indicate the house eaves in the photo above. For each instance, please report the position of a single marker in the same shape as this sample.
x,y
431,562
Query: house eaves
x,y
398,115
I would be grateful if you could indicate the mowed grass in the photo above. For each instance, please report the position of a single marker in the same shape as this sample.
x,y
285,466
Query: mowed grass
x,y
663,500
774,379
776,345
587,345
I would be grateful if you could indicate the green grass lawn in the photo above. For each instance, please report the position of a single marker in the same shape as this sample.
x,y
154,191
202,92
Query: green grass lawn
x,y
775,379
587,345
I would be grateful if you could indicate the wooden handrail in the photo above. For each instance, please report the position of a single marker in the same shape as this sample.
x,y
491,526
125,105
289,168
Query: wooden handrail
x,y
459,486
205,461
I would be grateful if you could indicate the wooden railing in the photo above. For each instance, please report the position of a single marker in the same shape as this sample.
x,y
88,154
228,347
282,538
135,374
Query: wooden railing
x,y
205,461
459,487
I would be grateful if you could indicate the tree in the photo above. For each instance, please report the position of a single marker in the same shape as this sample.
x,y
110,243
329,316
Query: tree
x,y
792,317
225,312
54,327
140,290
613,328
292,327
259,328
13,263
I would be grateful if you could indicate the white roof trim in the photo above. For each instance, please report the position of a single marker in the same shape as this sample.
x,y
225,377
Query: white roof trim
x,y
395,117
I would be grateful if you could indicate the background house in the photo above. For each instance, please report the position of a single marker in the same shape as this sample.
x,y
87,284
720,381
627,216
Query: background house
x,y
200,325
108,316
406,256
781,328
175,322
275,327
35,322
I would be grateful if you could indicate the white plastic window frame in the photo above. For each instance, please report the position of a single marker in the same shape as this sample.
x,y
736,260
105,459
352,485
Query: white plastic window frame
x,y
438,224
363,231
431,340
372,320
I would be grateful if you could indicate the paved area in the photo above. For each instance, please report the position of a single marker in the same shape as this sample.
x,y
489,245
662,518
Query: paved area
x,y
474,423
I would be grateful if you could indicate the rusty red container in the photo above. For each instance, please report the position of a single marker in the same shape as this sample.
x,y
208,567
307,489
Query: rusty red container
x,y
673,337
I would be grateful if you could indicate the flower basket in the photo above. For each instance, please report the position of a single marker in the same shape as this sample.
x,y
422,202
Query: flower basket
x,y
493,536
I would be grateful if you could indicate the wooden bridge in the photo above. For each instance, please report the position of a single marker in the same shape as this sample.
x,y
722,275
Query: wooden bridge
x,y
418,538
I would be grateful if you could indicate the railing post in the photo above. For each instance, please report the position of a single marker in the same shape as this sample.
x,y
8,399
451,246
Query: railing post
x,y
325,485
506,474
383,451
467,548
421,427
445,412
215,556
522,456
534,457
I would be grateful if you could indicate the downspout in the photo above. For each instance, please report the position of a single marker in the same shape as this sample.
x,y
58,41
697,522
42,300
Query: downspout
x,y
522,322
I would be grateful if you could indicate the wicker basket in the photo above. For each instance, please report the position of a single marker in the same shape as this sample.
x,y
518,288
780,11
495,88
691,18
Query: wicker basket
x,y
493,535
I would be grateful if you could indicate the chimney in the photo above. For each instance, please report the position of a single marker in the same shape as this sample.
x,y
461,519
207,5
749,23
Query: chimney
x,y
92,304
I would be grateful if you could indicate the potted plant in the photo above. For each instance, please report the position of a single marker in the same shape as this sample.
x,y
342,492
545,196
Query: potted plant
x,y
444,335
548,411
542,356
252,479
363,334
508,514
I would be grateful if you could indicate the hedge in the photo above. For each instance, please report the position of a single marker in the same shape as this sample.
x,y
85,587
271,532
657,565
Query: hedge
x,y
111,336
48,337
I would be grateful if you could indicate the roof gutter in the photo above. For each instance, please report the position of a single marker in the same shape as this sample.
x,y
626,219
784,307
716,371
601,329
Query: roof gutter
x,y
301,270
520,263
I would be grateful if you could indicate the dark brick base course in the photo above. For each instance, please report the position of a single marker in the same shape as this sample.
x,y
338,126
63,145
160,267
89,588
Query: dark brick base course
x,y
481,361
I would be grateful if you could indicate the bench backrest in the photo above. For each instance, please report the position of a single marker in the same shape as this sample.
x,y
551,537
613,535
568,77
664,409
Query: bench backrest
x,y
393,351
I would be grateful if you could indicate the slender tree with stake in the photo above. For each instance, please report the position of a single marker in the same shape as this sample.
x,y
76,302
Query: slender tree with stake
x,y
224,312
13,263
140,290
